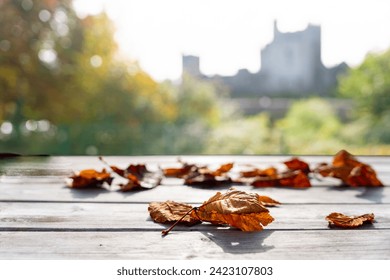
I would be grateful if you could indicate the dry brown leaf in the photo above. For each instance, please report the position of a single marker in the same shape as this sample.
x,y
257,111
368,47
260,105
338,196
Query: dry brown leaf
x,y
236,208
350,171
90,178
343,221
138,176
294,179
270,172
267,201
170,212
297,164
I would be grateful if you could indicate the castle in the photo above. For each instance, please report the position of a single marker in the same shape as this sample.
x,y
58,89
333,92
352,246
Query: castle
x,y
290,66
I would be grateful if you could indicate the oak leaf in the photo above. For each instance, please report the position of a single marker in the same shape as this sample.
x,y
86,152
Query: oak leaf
x,y
171,211
89,178
235,208
343,221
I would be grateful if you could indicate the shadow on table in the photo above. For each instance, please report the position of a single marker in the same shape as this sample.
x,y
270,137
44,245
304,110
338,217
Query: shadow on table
x,y
87,192
238,242
374,194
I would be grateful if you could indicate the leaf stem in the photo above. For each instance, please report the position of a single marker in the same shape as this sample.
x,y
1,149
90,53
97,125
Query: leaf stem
x,y
166,231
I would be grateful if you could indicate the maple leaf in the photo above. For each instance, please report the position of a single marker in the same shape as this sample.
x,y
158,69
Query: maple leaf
x,y
343,221
295,179
90,178
171,211
236,208
350,171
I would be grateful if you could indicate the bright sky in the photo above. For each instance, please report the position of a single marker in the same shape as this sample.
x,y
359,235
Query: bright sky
x,y
229,34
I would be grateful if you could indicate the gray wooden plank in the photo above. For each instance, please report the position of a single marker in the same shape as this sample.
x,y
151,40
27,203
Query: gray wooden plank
x,y
181,193
62,216
225,244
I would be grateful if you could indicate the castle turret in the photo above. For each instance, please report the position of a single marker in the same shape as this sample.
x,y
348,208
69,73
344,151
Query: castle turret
x,y
190,65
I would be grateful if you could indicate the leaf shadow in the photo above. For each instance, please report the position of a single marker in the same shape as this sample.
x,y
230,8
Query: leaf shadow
x,y
234,241
374,194
85,193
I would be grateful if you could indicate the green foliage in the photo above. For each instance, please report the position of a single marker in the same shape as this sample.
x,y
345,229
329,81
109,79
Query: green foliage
x,y
310,126
369,85
251,135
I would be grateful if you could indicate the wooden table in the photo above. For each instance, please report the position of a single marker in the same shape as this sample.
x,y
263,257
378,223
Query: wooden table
x,y
42,218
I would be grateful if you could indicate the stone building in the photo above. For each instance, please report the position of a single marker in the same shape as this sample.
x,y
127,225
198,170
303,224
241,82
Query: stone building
x,y
291,66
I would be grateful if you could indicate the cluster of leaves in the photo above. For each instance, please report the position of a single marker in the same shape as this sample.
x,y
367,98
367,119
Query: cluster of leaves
x,y
350,171
239,209
295,176
200,175
345,167
138,177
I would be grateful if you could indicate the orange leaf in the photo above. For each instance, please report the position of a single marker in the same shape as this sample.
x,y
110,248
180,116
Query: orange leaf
x,y
268,172
171,211
294,179
90,178
350,171
297,164
236,208
343,221
267,201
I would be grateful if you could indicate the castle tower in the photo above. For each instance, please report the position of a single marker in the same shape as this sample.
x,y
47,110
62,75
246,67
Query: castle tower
x,y
190,65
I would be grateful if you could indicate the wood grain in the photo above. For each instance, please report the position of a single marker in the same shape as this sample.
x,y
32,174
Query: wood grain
x,y
226,244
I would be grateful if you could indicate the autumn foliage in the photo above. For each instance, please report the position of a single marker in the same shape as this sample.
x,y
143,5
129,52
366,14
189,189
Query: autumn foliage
x,y
235,208
350,171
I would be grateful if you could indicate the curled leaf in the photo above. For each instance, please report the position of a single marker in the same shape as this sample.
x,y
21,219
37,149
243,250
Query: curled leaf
x,y
294,179
235,208
297,164
268,172
171,211
350,171
138,176
201,175
90,178
343,221
267,201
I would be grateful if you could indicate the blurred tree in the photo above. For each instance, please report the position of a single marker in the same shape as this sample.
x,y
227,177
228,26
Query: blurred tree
x,y
369,85
310,126
250,135
58,67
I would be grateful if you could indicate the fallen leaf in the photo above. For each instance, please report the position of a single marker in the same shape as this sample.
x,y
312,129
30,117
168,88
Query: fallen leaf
x,y
268,172
297,164
267,201
171,211
235,208
350,171
180,172
343,221
294,179
89,178
138,176
201,175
